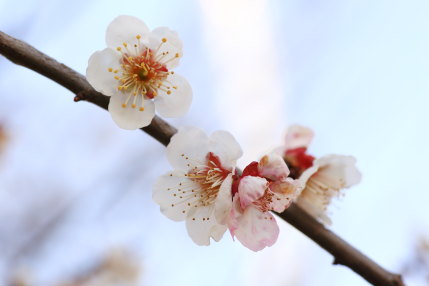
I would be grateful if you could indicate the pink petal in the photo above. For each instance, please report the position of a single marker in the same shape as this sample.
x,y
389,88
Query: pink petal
x,y
284,193
273,167
251,189
298,136
256,230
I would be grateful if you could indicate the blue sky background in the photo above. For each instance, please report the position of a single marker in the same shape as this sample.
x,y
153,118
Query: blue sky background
x,y
73,185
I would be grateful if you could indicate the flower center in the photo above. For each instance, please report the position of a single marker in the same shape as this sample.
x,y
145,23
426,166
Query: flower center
x,y
143,73
264,203
210,178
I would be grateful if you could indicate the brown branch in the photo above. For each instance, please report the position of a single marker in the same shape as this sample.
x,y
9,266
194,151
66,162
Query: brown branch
x,y
25,55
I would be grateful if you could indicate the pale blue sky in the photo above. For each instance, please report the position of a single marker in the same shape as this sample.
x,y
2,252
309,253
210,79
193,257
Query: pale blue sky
x,y
354,71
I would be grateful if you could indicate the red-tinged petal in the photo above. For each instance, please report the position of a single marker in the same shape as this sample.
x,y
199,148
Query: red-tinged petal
x,y
251,170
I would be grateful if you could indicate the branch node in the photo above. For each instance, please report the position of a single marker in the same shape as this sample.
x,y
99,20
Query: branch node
x,y
81,95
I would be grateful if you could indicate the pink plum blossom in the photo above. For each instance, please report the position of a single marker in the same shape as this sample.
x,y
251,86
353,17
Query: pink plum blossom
x,y
263,187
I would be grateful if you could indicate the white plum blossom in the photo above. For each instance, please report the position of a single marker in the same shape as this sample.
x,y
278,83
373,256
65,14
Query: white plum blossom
x,y
324,181
263,187
322,178
136,71
198,189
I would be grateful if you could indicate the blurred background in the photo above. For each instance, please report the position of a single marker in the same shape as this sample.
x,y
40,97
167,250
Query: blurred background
x,y
75,190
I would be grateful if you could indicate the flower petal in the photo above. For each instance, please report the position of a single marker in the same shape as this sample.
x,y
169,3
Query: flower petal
x,y
130,118
284,193
124,29
178,101
190,145
298,136
251,189
324,181
273,167
173,193
257,230
172,48
234,215
223,201
224,145
201,225
98,74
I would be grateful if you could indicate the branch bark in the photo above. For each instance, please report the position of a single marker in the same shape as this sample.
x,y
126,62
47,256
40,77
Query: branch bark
x,y
25,55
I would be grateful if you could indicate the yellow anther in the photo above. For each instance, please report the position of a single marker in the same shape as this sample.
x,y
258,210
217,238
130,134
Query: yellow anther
x,y
155,93
135,45
115,71
138,37
168,91
164,40
118,49
123,80
177,55
116,77
133,105
135,93
124,105
120,87
124,44
175,87
141,109
110,69
130,59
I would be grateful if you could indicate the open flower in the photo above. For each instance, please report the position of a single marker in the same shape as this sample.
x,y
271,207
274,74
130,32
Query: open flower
x,y
322,178
263,187
198,189
135,70
325,180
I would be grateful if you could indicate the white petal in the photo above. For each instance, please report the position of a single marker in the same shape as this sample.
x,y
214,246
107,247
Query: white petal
x,y
257,230
130,118
224,145
178,101
188,146
273,166
202,224
251,189
171,47
338,171
324,181
98,74
124,29
298,136
175,195
223,201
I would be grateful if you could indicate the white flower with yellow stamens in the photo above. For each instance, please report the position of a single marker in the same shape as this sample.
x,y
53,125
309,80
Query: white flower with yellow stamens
x,y
198,190
135,70
325,180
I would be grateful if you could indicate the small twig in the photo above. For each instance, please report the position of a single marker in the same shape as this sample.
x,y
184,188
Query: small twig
x,y
23,54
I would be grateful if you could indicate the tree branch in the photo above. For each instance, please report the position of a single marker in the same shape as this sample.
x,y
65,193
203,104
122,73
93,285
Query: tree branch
x,y
25,55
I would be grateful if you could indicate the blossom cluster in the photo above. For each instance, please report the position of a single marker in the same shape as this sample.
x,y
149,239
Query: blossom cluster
x,y
205,188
